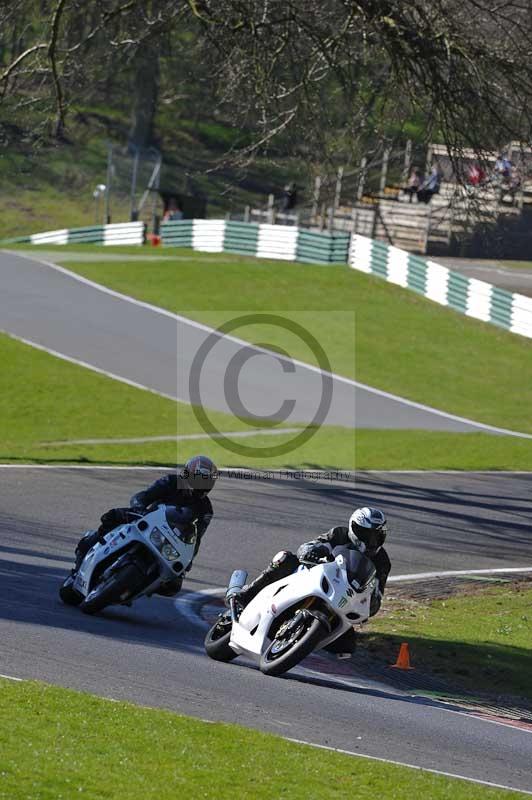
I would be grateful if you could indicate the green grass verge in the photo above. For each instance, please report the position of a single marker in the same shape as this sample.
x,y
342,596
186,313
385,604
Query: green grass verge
x,y
49,189
480,641
403,343
45,400
64,253
58,743
516,264
330,448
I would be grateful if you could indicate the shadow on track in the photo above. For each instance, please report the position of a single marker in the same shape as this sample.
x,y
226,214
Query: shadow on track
x,y
477,523
29,595
24,551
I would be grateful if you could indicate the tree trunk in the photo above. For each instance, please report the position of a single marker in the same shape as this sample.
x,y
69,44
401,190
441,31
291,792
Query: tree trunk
x,y
146,90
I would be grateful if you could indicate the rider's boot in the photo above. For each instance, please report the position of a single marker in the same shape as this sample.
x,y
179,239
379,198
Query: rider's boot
x,y
345,645
170,588
282,565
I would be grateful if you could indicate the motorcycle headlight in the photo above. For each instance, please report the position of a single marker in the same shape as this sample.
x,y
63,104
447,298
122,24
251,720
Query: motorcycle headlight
x,y
157,538
169,552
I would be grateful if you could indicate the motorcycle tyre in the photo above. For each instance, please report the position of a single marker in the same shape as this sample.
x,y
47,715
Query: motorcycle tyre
x,y
301,649
219,648
69,595
109,592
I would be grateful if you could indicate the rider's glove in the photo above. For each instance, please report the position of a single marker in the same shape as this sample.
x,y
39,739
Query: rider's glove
x,y
113,517
313,553
137,504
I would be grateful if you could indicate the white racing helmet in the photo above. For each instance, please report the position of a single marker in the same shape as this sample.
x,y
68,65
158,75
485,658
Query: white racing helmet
x,y
368,525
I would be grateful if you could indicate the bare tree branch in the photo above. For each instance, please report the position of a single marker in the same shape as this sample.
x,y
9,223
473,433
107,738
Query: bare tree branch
x,y
14,64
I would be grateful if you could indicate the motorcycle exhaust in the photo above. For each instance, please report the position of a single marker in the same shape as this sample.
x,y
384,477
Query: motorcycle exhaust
x,y
238,580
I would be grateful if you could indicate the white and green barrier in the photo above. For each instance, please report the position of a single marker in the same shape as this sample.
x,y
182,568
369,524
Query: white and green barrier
x,y
119,233
286,242
469,296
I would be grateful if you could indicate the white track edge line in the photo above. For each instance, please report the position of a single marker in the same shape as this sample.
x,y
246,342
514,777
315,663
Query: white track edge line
x,y
190,597
176,438
11,678
334,376
416,576
410,766
244,470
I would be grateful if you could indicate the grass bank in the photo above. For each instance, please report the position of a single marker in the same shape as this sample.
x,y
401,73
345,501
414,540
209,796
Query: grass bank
x,y
401,343
330,448
46,401
51,739
481,641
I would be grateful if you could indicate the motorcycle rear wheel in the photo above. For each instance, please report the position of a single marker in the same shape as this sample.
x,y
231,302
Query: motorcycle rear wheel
x,y
282,656
115,589
217,642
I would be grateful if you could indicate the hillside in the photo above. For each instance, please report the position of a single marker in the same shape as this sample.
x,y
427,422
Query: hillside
x,y
49,184
389,326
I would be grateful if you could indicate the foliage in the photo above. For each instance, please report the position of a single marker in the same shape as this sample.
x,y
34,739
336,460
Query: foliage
x,y
322,76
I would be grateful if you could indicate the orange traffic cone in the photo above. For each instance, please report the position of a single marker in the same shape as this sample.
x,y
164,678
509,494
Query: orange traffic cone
x,y
403,659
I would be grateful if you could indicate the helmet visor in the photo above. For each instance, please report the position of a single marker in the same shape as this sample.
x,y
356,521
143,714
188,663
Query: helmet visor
x,y
373,538
200,474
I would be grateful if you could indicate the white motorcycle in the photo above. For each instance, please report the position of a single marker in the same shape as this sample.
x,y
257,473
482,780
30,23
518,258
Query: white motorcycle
x,y
134,559
290,618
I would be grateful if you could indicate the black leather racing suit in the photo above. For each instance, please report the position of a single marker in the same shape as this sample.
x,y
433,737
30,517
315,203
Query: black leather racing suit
x,y
171,490
335,542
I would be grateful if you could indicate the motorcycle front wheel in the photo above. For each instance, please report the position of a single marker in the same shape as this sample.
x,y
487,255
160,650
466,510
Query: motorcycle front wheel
x,y
217,640
295,640
67,593
114,589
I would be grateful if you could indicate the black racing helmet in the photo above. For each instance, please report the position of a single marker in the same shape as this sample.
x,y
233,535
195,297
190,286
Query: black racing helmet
x,y
368,525
200,473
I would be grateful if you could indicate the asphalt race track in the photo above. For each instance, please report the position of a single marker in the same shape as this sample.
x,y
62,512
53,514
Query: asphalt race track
x,y
152,654
155,349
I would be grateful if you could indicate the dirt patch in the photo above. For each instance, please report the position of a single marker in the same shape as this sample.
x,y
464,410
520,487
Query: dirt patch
x,y
443,588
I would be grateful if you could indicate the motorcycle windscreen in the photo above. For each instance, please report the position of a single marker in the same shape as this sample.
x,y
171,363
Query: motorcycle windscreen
x,y
360,570
181,522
